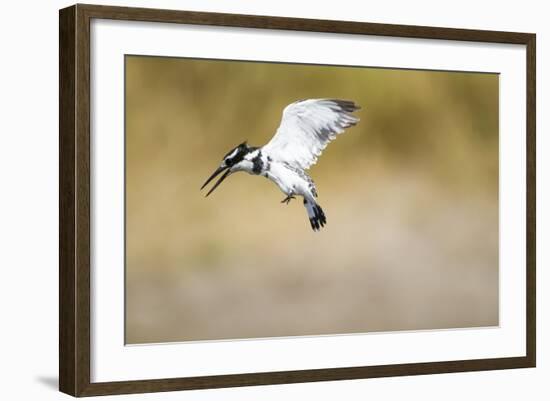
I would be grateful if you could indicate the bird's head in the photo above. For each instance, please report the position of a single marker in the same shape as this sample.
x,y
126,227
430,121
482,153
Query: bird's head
x,y
229,164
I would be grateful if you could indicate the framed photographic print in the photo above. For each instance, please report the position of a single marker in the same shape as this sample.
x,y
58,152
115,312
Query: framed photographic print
x,y
250,200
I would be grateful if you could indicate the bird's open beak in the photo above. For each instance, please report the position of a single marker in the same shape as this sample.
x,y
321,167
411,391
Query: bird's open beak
x,y
223,177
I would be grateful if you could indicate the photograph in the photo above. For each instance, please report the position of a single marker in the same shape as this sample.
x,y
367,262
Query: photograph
x,y
259,199
272,200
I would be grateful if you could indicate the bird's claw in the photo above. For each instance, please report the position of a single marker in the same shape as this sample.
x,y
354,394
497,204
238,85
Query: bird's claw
x,y
288,198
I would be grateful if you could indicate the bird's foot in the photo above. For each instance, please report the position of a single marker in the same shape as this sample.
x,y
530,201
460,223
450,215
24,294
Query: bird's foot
x,y
288,198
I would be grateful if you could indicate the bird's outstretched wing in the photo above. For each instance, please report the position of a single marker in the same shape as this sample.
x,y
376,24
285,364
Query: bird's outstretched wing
x,y
306,129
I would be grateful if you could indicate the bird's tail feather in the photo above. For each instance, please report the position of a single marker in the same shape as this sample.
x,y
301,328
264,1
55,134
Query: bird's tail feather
x,y
316,215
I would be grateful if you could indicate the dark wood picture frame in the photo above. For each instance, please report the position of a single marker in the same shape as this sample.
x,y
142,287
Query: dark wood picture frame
x,y
74,200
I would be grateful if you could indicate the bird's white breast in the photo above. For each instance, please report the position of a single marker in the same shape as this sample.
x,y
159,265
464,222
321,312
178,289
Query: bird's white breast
x,y
288,180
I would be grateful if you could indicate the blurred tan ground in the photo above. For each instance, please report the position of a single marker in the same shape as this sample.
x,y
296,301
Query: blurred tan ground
x,y
411,197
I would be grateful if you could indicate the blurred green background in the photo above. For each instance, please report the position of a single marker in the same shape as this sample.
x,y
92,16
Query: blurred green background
x,y
410,194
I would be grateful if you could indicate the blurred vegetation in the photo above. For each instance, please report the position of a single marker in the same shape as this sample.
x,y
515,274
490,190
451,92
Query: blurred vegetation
x,y
411,196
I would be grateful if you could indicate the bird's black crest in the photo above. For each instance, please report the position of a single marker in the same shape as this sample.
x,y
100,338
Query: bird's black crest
x,y
237,154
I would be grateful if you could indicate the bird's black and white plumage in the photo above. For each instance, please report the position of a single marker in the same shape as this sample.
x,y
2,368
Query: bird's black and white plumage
x,y
306,128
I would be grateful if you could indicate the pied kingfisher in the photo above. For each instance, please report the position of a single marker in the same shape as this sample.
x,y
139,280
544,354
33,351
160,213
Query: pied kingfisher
x,y
306,128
